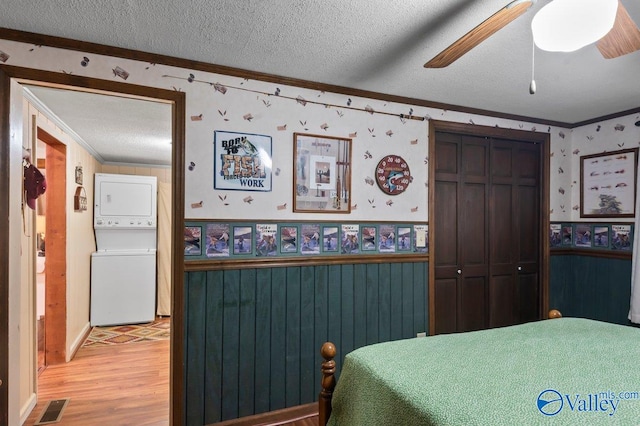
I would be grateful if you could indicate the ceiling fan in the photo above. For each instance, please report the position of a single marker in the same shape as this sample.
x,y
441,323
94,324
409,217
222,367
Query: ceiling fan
x,y
623,38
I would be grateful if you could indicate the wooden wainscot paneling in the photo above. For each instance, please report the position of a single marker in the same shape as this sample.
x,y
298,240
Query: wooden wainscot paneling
x,y
252,334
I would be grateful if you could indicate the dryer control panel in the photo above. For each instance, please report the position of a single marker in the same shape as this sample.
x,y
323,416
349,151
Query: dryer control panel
x,y
124,222
125,201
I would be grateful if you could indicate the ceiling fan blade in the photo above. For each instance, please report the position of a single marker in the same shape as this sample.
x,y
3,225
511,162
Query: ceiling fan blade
x,y
480,33
623,38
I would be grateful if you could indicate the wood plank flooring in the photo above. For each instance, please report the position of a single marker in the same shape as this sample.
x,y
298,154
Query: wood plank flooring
x,y
128,384
116,385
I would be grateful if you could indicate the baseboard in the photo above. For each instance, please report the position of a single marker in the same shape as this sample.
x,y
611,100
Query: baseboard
x,y
274,418
77,344
28,408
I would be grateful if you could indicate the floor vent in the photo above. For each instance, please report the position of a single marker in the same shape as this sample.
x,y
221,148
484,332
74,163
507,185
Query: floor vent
x,y
52,413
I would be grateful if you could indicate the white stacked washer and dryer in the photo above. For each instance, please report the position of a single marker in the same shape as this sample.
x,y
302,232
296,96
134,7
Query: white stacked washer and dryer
x,y
123,269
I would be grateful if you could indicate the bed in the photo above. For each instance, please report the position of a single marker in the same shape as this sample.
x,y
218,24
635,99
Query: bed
x,y
561,371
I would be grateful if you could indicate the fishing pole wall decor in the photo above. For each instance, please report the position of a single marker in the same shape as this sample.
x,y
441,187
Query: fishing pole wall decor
x,y
222,88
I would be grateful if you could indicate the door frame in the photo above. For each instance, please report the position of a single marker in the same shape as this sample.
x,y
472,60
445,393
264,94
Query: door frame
x,y
178,100
55,311
544,139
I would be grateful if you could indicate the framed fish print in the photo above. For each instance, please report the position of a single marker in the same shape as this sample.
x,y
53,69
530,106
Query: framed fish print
x,y
608,184
322,174
242,161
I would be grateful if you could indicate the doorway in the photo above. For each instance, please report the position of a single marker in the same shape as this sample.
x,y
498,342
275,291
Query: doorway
x,y
488,209
177,100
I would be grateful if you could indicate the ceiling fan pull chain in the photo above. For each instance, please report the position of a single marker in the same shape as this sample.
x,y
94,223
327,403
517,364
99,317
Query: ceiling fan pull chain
x,y
532,85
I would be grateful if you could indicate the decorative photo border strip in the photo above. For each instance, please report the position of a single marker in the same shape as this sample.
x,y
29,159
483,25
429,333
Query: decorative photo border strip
x,y
225,240
590,236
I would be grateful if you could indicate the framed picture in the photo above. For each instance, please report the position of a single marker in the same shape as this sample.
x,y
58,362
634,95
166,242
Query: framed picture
x,y
421,238
192,240
387,238
217,240
242,161
567,235
582,236
79,176
322,174
404,238
242,239
621,237
310,236
555,234
368,238
350,239
266,243
601,236
608,184
330,239
288,239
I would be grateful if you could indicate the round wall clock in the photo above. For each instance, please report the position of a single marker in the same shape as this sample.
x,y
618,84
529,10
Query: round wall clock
x,y
393,175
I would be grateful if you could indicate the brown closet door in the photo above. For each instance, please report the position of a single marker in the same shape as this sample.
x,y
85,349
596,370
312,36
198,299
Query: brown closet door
x,y
486,248
514,228
461,241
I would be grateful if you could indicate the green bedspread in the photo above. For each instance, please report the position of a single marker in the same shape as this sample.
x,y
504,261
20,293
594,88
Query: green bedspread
x,y
590,371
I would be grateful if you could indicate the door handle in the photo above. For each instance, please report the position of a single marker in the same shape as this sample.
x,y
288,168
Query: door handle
x,y
519,268
459,271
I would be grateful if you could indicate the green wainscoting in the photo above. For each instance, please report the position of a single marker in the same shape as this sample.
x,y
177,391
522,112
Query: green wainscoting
x,y
253,336
591,287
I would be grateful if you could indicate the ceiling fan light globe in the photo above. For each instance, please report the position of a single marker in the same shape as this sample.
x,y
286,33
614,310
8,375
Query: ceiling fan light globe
x,y
568,25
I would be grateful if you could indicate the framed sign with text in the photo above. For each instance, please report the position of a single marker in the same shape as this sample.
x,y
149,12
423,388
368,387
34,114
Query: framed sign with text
x,y
242,161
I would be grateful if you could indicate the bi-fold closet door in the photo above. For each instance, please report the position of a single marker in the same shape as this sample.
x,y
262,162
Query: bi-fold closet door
x,y
487,232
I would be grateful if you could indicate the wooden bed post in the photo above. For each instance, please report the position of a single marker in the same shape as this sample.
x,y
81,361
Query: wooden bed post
x,y
328,381
554,313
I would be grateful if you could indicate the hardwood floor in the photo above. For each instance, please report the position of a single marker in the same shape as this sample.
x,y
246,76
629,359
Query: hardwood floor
x,y
128,384
116,385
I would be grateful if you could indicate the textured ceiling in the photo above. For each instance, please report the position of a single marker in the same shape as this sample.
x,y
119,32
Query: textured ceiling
x,y
114,129
372,45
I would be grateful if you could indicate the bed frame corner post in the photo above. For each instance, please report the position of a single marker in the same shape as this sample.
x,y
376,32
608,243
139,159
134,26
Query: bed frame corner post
x,y
328,369
554,313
